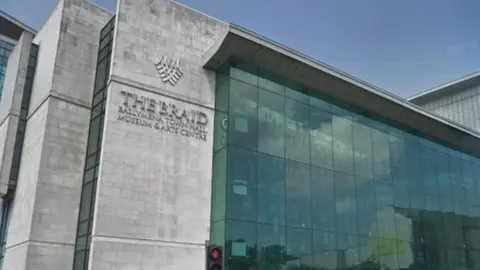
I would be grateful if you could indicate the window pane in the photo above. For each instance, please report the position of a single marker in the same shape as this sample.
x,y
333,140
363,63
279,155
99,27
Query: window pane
x,y
221,127
368,253
240,241
222,87
271,82
363,157
271,189
342,145
93,136
385,210
243,115
398,160
381,155
388,253
86,203
429,171
271,123
414,170
321,140
298,194
366,207
217,233
345,204
297,131
323,200
219,195
242,184
271,247
299,248
244,73
101,74
347,245
324,250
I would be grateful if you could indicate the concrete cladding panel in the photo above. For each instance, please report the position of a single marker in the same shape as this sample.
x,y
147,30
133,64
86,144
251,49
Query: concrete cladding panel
x,y
68,52
24,203
109,255
60,179
171,30
155,177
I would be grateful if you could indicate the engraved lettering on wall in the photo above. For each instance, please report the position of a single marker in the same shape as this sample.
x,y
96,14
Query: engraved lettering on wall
x,y
162,116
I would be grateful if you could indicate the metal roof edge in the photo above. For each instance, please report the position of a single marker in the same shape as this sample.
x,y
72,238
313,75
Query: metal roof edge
x,y
449,85
17,22
282,49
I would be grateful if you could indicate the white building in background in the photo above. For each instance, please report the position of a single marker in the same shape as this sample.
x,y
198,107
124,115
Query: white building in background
x,y
458,101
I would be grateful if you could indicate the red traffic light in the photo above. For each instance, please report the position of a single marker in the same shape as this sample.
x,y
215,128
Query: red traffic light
x,y
215,254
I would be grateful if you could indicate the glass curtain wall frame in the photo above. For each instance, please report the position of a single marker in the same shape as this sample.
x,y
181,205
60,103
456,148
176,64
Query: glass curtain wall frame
x,y
7,200
302,181
99,100
5,49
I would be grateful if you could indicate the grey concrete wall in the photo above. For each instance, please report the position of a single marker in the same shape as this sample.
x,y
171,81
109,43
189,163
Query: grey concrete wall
x,y
462,107
153,192
47,39
10,106
45,211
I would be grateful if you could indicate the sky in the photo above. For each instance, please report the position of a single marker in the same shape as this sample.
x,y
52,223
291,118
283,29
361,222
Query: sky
x,y
402,46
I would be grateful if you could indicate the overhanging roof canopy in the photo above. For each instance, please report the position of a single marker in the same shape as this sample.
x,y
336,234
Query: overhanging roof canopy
x,y
270,56
13,28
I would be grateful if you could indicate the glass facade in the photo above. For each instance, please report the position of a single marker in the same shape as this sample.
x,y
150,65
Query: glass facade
x,y
99,101
301,181
5,50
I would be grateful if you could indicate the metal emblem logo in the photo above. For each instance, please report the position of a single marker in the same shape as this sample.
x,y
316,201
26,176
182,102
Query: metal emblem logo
x,y
169,70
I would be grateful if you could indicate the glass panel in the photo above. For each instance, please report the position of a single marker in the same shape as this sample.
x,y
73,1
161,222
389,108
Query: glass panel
x,y
217,233
220,130
219,189
101,74
345,204
222,88
324,250
271,123
240,243
242,184
297,92
271,83
299,248
271,247
368,253
86,203
297,131
385,210
342,145
271,189
93,136
366,207
381,155
244,73
243,115
321,139
323,200
397,160
362,154
388,253
347,246
298,194
79,260
429,171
